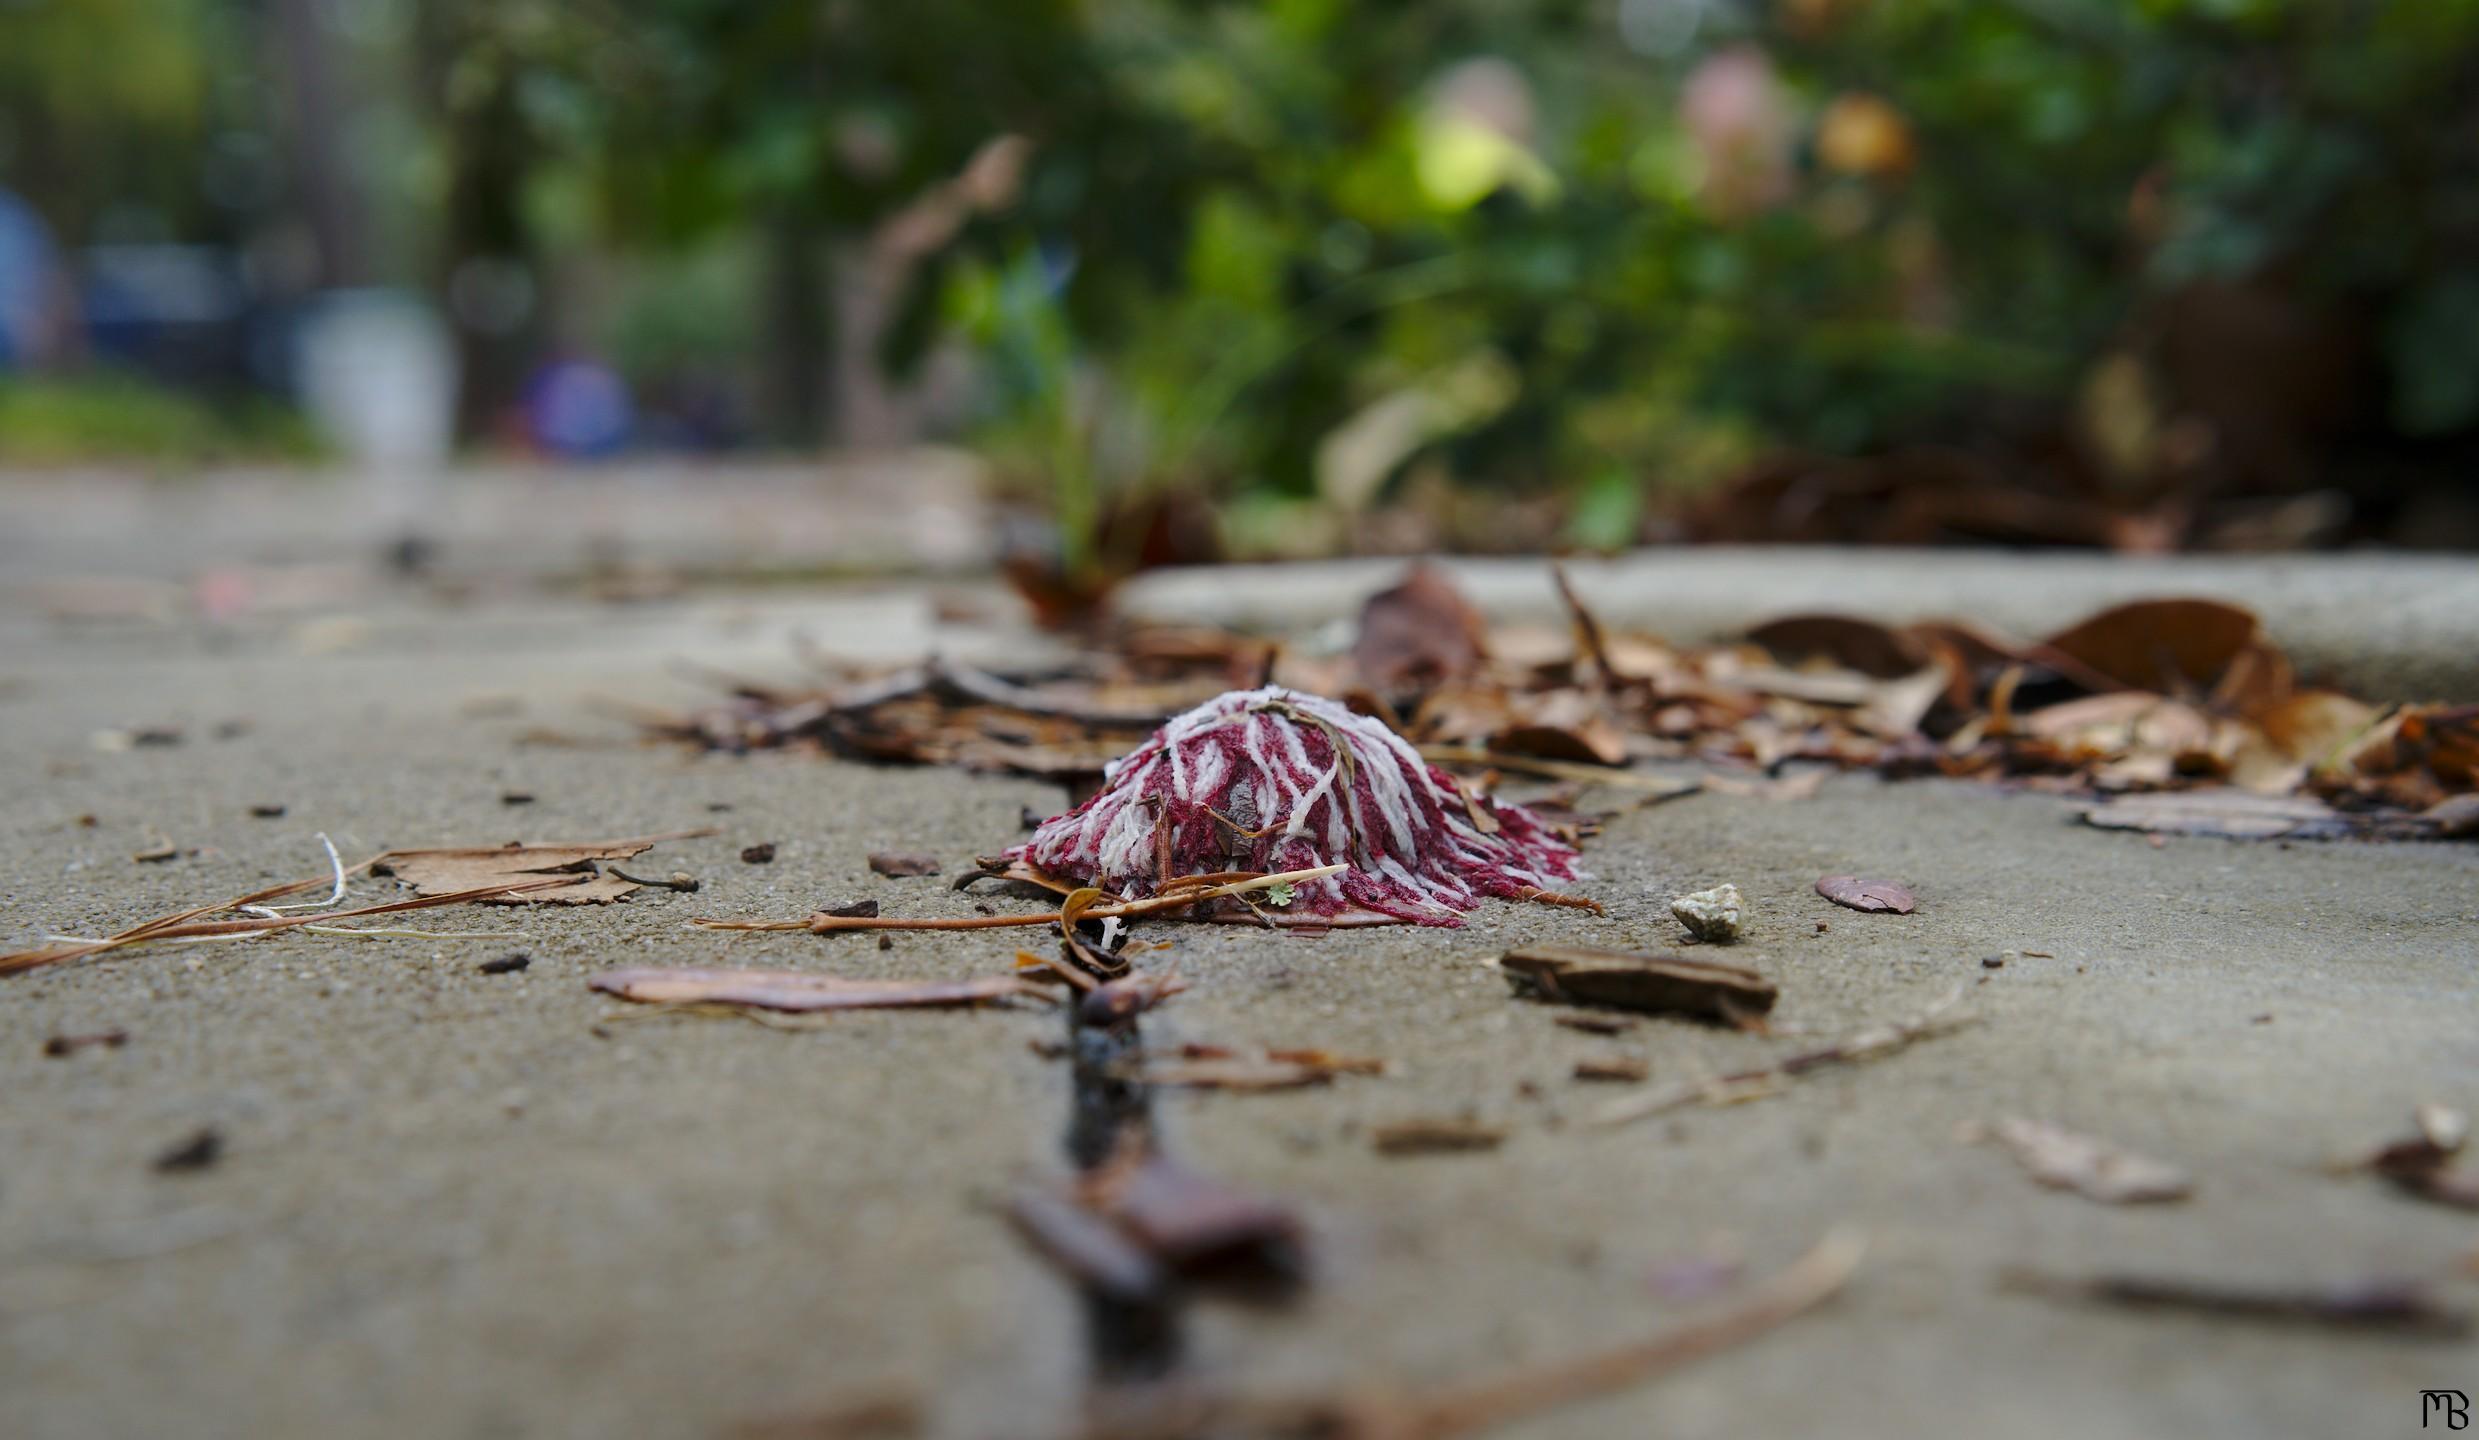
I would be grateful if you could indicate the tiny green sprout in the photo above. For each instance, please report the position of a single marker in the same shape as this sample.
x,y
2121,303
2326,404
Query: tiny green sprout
x,y
1279,894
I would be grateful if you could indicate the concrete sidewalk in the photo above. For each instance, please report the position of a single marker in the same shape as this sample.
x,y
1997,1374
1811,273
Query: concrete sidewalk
x,y
463,1204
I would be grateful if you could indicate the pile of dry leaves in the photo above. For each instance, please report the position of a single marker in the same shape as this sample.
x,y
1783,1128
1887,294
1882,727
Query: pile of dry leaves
x,y
2181,713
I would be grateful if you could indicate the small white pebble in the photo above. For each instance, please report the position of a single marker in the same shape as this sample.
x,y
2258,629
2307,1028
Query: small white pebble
x,y
1713,914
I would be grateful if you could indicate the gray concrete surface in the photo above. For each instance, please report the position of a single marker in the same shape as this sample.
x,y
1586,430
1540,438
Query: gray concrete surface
x,y
2395,626
450,1208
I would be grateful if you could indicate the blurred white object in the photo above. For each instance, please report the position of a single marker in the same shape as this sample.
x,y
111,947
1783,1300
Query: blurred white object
x,y
376,370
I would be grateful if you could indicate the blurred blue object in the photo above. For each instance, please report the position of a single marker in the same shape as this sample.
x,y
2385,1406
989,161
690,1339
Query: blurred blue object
x,y
578,409
29,280
177,312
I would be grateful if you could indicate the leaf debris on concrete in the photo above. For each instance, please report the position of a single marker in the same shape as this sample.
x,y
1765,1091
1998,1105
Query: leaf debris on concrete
x,y
518,865
2098,1169
800,990
1872,896
1658,984
2395,1306
2425,1163
902,864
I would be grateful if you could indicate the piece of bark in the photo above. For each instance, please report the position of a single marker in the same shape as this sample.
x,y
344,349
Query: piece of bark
x,y
901,864
1873,896
1660,984
2097,1169
800,990
1435,1137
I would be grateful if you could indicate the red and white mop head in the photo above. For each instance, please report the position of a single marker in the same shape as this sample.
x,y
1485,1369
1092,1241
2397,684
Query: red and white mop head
x,y
1273,780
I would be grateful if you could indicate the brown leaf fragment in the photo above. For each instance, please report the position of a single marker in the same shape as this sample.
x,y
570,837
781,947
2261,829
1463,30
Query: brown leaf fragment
x,y
506,964
2170,647
1118,1001
1435,1136
1873,896
199,1152
2064,1160
1191,1221
156,854
762,853
899,864
1846,640
2392,1306
447,871
799,989
1086,1245
856,910
2242,815
2423,1164
1419,635
1657,984
1624,1069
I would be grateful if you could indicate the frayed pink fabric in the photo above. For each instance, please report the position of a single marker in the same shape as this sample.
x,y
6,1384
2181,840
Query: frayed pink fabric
x,y
1272,780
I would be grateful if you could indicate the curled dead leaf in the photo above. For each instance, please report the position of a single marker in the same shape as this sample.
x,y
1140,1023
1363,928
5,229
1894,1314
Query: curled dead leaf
x,y
1419,635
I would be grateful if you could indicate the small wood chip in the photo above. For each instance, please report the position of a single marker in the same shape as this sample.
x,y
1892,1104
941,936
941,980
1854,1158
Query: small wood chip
x,y
1626,1069
759,854
900,864
267,812
506,964
1598,1024
1661,984
1435,1137
1874,896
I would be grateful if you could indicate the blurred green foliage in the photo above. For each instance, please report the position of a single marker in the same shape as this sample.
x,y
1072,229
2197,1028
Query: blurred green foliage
x,y
1298,250
122,418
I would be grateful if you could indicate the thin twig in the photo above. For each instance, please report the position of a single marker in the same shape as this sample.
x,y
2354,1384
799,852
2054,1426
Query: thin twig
x,y
1763,1080
1667,787
823,924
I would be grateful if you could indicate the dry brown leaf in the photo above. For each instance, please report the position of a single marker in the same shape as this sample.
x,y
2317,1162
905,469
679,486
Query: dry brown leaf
x,y
2242,815
446,871
2090,1166
1872,896
799,989
1419,635
1659,984
900,864
1846,640
2171,647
